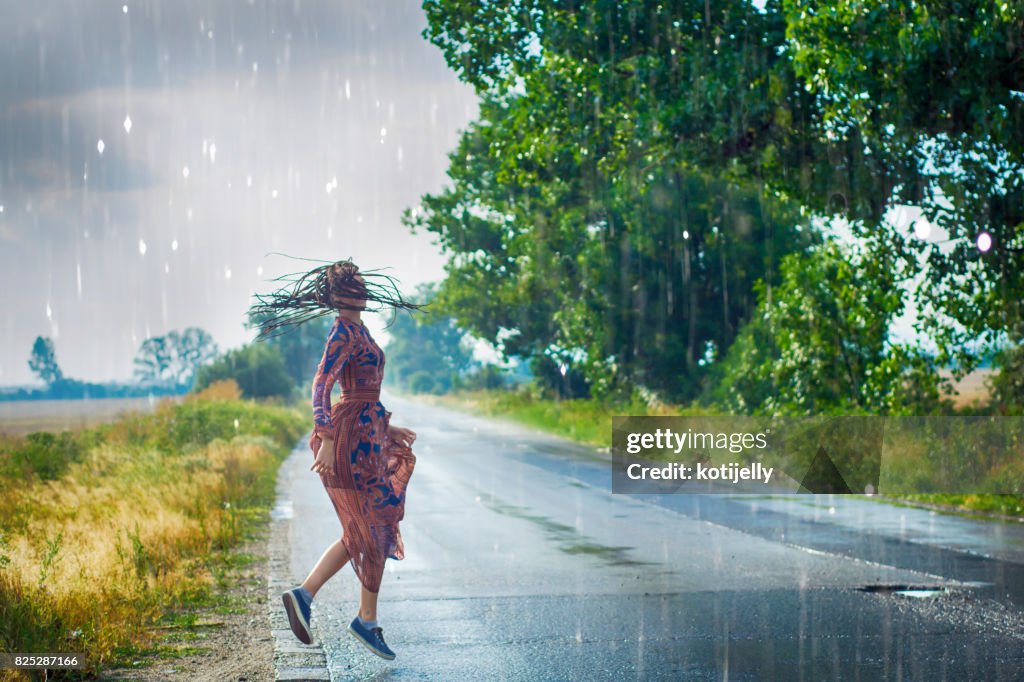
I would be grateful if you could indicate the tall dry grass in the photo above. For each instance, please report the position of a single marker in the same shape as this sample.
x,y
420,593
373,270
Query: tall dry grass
x,y
135,525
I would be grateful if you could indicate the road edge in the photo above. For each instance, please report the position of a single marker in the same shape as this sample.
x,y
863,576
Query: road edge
x,y
293,661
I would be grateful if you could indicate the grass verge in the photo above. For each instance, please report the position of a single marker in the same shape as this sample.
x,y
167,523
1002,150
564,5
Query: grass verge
x,y
590,422
108,532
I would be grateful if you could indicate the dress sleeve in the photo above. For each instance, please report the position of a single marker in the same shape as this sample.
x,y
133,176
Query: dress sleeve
x,y
336,356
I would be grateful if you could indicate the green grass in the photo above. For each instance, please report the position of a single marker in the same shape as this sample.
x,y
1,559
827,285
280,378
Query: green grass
x,y
590,422
124,540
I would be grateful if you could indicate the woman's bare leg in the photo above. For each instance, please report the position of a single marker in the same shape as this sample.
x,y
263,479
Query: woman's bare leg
x,y
368,605
332,561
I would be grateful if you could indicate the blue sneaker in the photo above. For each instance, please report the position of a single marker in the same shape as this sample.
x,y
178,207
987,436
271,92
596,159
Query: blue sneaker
x,y
296,604
372,638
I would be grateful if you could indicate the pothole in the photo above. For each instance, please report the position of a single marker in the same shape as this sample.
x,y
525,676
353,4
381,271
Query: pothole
x,y
910,591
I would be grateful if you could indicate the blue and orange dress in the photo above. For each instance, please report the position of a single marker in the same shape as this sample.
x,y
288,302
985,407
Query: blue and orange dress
x,y
371,470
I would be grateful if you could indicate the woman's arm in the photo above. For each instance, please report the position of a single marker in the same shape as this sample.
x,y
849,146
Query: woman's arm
x,y
336,355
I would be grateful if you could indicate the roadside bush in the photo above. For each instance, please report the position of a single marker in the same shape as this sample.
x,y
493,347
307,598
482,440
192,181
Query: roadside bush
x,y
421,382
257,369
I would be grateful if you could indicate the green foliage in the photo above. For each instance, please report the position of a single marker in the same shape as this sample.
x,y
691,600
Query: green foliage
x,y
142,464
934,89
46,454
607,280
300,346
820,342
199,422
1008,384
427,353
487,377
422,382
257,368
571,195
171,361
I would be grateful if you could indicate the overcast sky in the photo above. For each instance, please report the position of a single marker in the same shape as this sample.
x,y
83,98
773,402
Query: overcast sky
x,y
153,153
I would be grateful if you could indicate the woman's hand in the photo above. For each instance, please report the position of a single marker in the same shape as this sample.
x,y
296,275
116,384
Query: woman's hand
x,y
324,462
402,436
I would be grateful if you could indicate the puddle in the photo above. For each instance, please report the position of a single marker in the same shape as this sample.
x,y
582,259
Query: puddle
x,y
911,591
570,540
282,511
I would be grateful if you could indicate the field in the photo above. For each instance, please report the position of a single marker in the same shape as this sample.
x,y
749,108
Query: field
x,y
18,417
972,388
119,528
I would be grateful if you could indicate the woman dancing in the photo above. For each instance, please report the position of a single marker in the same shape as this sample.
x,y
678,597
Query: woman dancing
x,y
363,460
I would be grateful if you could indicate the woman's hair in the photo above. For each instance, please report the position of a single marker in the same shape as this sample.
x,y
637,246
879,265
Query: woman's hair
x,y
318,292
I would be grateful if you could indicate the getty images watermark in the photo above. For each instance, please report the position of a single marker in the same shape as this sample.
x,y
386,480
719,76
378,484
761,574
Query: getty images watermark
x,y
845,455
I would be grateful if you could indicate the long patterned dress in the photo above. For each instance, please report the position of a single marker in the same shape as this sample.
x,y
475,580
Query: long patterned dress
x,y
371,470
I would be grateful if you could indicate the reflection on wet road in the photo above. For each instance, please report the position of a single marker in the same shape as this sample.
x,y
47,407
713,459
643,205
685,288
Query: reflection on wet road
x,y
521,565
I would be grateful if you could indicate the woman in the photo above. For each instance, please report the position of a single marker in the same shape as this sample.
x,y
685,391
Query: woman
x,y
363,460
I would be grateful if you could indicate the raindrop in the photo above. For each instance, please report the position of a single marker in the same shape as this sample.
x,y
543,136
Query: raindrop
x,y
174,245
984,242
167,268
273,194
686,234
142,247
248,181
78,278
100,146
213,152
227,273
255,67
383,132
330,231
127,124
184,172
49,311
259,270
1,208
124,9
328,187
399,155
348,90
188,215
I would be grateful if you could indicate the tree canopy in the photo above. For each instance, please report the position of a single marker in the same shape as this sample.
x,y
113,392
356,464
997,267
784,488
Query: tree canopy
x,y
637,166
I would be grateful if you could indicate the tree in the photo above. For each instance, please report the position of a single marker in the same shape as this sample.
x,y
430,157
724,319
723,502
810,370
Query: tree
x,y
43,361
172,360
600,282
822,343
427,353
935,88
847,108
257,368
301,346
1008,382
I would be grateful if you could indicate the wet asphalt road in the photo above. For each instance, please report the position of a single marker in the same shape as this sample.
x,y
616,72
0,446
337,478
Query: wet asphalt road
x,y
521,565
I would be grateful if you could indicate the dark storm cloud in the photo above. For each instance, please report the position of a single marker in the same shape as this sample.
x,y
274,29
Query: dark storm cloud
x,y
229,129
57,47
52,51
52,146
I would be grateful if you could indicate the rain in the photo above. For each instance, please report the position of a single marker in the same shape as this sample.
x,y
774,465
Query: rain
x,y
789,235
